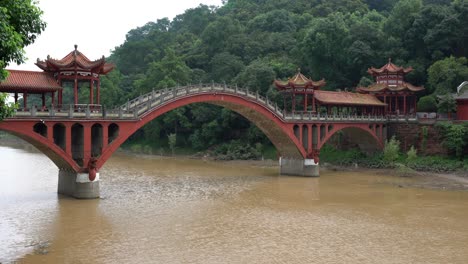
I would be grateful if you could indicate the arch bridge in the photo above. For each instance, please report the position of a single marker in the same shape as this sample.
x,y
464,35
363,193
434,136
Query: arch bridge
x,y
79,139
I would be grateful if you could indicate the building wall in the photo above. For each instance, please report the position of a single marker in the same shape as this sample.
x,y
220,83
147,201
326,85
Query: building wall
x,y
462,110
411,134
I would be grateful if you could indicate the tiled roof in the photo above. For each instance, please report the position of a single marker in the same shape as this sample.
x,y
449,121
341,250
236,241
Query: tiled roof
x,y
299,81
389,68
29,81
378,87
462,96
347,98
75,59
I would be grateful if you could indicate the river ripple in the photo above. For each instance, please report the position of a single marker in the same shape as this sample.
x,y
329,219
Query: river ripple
x,y
157,210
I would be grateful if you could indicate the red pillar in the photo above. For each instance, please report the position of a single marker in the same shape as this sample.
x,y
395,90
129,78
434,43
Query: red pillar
x,y
43,100
25,100
75,91
404,104
300,134
68,139
397,105
309,138
16,98
294,103
91,92
305,102
98,92
385,101
313,103
87,144
105,135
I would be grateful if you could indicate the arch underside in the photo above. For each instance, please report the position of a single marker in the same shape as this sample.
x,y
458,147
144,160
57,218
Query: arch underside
x,y
55,157
366,140
283,143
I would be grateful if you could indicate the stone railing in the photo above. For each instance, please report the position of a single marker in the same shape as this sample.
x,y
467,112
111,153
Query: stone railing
x,y
73,111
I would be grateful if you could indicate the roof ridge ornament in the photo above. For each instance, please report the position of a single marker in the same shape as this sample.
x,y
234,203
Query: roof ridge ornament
x,y
76,50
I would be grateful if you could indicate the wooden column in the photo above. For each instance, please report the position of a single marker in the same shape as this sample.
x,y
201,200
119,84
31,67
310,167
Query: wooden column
x,y
75,91
293,102
91,93
25,100
105,135
305,102
68,139
313,103
16,98
404,104
43,100
98,92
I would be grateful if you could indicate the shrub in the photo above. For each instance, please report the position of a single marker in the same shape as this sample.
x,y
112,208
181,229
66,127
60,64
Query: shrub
x,y
391,150
427,103
411,155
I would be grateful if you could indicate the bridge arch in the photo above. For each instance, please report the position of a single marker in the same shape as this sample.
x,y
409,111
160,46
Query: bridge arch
x,y
367,137
268,121
40,141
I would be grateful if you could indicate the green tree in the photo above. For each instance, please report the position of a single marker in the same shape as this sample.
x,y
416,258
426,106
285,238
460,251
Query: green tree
x,y
427,104
20,24
391,150
455,139
446,104
445,75
172,140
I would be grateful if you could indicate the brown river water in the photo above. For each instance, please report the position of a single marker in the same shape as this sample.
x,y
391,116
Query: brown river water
x,y
162,210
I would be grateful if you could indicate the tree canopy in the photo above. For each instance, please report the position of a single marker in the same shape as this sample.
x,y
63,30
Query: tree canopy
x,y
20,24
252,42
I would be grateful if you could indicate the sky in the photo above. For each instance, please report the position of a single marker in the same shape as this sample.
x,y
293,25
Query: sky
x,y
96,26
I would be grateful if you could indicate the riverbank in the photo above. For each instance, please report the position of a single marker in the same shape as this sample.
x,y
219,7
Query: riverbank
x,y
454,181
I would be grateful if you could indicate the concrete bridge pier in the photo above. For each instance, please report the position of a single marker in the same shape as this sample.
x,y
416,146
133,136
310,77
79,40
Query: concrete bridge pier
x,y
78,185
299,167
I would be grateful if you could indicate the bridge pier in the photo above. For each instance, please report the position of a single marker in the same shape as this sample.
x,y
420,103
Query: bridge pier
x,y
77,185
299,167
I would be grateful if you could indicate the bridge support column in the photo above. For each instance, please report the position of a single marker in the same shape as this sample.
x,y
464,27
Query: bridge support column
x,y
78,185
299,167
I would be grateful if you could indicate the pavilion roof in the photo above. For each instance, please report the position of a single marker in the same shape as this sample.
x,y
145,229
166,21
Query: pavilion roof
x,y
299,81
75,60
346,98
29,81
380,87
389,68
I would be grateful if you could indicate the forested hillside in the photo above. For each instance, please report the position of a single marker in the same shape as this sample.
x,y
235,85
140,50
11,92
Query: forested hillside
x,y
252,42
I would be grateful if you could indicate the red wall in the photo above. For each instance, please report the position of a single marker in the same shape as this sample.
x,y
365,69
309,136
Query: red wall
x,y
462,110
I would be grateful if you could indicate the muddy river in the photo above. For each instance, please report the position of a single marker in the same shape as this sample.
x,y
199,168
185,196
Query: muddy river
x,y
163,210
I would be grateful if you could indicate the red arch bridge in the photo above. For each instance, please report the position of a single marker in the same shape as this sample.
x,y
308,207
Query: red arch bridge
x,y
80,139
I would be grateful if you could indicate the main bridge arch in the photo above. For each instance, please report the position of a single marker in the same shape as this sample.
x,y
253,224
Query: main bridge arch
x,y
268,119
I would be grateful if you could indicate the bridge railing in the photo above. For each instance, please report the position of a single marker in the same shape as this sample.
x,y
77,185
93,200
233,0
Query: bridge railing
x,y
151,100
72,111
148,101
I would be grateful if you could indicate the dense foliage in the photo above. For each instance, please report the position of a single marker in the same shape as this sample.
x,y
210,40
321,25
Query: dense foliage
x,y
20,23
252,42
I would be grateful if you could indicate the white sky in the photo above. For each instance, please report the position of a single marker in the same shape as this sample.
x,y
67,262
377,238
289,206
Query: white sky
x,y
96,26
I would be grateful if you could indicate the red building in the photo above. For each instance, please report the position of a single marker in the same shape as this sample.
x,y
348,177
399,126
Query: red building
x,y
30,82
391,88
307,92
74,67
462,101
